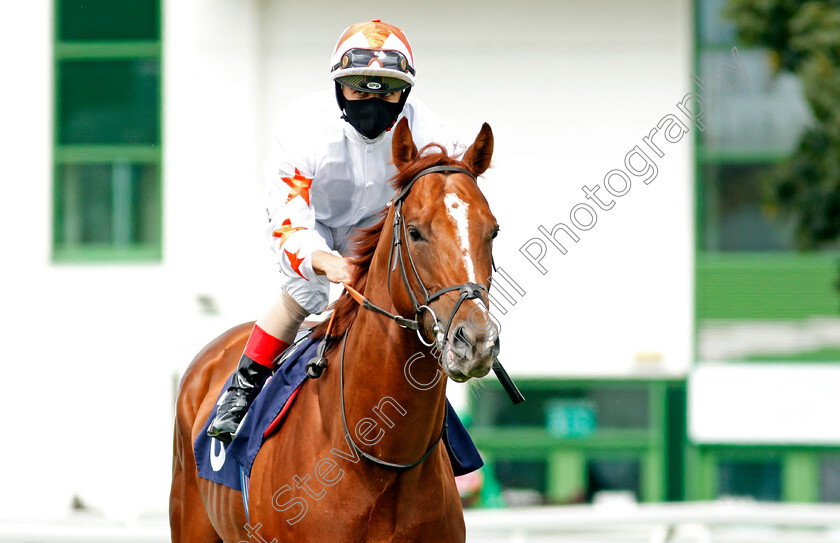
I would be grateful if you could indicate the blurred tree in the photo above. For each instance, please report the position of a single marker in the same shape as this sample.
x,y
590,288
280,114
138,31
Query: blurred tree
x,y
804,38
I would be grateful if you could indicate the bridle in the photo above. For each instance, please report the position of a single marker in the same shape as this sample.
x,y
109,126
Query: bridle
x,y
467,291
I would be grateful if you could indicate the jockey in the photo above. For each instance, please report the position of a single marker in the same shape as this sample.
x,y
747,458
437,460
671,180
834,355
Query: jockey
x,y
326,174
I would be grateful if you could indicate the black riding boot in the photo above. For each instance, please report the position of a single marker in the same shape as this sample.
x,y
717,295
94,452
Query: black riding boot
x,y
247,381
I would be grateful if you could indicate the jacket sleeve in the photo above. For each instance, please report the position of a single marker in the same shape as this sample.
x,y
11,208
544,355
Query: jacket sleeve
x,y
289,169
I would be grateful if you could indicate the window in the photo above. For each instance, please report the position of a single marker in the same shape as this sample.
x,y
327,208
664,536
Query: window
x,y
107,142
606,407
580,437
613,475
752,286
830,479
735,217
523,481
750,127
760,480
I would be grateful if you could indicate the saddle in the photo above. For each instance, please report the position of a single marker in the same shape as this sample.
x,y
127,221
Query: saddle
x,y
230,464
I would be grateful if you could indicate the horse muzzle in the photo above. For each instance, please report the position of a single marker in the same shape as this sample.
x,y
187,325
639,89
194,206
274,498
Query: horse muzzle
x,y
469,350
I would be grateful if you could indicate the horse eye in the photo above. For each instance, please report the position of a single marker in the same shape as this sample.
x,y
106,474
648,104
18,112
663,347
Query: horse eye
x,y
414,233
495,233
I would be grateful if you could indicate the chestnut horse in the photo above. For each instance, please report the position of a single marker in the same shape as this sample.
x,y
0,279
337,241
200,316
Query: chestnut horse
x,y
385,480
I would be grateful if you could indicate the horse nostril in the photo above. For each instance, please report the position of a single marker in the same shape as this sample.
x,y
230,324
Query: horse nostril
x,y
466,341
460,341
494,347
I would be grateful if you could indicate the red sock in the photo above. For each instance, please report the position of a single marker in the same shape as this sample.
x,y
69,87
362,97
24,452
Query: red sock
x,y
263,348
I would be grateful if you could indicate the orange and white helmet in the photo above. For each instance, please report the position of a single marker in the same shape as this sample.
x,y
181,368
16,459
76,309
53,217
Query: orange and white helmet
x,y
373,57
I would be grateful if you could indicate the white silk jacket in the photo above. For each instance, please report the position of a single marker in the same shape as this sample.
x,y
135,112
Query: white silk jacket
x,y
323,178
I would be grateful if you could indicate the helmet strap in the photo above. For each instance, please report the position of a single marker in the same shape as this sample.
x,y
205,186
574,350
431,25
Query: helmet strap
x,y
339,96
403,98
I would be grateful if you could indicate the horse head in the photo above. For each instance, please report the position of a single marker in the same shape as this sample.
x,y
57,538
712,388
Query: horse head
x,y
442,257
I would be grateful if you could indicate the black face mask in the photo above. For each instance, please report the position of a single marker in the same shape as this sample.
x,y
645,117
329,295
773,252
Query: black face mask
x,y
372,116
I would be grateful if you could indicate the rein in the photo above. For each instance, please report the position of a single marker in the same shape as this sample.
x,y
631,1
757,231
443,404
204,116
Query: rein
x,y
370,457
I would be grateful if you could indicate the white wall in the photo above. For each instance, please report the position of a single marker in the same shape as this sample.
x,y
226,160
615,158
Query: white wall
x,y
569,88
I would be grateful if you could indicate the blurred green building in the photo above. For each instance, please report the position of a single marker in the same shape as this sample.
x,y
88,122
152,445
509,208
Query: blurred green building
x,y
755,415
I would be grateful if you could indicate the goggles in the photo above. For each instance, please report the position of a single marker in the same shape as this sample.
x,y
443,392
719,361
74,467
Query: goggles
x,y
363,58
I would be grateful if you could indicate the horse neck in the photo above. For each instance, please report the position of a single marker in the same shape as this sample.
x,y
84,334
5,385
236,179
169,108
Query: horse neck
x,y
408,407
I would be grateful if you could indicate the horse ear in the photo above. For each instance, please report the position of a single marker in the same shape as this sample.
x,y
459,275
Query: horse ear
x,y
480,152
403,149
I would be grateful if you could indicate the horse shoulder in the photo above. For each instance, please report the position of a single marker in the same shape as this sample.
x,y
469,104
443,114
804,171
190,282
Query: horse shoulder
x,y
197,506
203,379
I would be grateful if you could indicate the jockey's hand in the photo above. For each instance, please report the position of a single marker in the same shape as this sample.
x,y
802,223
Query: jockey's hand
x,y
336,268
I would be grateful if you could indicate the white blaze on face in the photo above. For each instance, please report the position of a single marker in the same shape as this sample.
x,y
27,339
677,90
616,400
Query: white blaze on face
x,y
456,210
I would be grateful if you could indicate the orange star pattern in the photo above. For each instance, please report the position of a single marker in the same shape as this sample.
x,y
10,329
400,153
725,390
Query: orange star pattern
x,y
286,230
299,186
295,261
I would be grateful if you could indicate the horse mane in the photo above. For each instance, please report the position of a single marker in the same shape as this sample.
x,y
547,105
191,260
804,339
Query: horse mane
x,y
365,240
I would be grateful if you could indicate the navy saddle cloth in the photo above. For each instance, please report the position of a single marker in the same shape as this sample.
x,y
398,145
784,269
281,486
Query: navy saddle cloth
x,y
231,464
